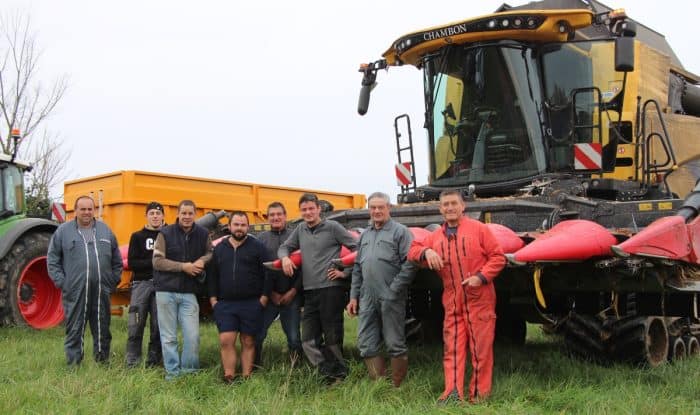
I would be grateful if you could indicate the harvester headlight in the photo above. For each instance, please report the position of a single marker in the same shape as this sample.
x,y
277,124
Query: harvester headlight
x,y
531,22
505,22
492,24
517,22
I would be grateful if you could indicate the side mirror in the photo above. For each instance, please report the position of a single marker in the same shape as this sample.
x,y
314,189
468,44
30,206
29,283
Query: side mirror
x,y
624,54
363,102
624,46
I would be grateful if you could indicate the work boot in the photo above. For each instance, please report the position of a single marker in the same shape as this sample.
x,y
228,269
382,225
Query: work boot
x,y
375,367
154,359
399,368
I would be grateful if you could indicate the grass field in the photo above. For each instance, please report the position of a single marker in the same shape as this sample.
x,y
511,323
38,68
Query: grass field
x,y
538,378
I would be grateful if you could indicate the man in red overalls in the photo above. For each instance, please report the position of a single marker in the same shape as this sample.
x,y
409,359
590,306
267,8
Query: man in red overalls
x,y
467,258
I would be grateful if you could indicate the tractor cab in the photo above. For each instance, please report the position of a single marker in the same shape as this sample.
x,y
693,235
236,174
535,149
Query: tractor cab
x,y
11,186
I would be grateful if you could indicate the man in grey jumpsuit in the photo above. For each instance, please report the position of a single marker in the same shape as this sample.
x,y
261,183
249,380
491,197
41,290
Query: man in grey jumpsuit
x,y
85,263
380,279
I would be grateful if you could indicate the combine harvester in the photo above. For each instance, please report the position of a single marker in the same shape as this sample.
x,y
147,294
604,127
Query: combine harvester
x,y
572,130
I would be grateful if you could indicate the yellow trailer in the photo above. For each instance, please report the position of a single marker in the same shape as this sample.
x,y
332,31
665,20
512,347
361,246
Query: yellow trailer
x,y
122,196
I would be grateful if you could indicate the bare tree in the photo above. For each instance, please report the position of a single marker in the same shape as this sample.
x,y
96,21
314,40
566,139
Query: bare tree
x,y
25,102
48,157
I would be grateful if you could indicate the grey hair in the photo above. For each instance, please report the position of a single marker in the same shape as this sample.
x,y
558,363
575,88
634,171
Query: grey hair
x,y
380,195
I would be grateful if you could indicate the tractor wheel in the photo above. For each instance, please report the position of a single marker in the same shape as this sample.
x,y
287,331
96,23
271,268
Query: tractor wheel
x,y
692,346
27,294
640,340
583,337
676,349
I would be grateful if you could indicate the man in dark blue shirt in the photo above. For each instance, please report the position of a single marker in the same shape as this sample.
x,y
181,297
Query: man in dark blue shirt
x,y
239,288
286,294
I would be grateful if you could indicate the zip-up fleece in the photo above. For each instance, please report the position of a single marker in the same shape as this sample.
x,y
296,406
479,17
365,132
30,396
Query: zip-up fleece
x,y
470,312
319,245
238,273
173,248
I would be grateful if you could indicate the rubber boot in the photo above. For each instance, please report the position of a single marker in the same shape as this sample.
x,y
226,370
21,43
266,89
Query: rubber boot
x,y
375,367
399,369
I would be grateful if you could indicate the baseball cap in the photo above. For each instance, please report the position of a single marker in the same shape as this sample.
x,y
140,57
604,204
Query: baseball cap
x,y
154,205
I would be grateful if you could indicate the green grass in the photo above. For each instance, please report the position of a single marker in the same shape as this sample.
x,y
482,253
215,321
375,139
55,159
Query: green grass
x,y
538,378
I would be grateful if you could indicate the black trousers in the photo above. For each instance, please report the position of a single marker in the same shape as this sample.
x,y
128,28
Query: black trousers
x,y
322,329
143,303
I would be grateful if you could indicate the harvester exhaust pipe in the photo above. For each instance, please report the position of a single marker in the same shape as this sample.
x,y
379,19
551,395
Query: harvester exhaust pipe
x,y
211,219
691,205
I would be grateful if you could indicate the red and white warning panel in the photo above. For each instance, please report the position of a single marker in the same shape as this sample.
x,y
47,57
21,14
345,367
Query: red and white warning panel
x,y
588,156
403,174
58,212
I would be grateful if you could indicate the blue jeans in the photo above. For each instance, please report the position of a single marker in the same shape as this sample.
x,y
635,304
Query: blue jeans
x,y
182,309
290,318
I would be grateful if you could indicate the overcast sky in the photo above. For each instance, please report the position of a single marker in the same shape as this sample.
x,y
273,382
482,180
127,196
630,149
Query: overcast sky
x,y
254,91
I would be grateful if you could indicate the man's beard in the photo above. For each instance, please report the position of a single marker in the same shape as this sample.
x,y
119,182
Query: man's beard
x,y
239,236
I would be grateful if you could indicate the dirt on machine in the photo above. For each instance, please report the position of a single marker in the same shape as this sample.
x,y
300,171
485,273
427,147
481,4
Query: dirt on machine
x,y
572,131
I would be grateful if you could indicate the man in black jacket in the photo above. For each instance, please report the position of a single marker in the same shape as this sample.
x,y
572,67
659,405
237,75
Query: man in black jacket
x,y
239,288
181,252
143,292
286,294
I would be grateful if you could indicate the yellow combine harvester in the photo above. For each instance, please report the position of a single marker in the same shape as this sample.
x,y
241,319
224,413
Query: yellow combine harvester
x,y
572,131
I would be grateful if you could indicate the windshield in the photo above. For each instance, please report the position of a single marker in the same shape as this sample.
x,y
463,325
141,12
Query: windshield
x,y
577,78
484,124
12,189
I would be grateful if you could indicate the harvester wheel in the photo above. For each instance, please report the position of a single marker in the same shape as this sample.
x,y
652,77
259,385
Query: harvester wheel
x,y
27,294
584,337
692,346
676,349
640,340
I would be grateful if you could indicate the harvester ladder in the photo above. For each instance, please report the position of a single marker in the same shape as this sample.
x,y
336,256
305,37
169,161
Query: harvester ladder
x,y
645,137
594,125
404,150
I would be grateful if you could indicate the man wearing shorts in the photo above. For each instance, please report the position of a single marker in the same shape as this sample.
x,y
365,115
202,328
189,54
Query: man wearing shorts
x,y
239,288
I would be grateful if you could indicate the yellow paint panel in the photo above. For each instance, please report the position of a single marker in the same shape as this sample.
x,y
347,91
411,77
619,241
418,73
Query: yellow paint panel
x,y
547,32
644,207
125,194
665,205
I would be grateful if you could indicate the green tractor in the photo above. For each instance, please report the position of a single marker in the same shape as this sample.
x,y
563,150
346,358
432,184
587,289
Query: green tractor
x,y
28,297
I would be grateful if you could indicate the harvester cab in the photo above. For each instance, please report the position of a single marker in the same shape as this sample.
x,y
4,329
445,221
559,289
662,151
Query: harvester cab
x,y
522,96
577,157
